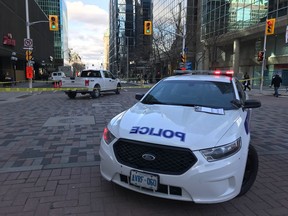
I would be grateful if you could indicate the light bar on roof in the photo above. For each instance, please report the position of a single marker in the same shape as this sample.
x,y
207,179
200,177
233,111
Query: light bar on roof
x,y
205,72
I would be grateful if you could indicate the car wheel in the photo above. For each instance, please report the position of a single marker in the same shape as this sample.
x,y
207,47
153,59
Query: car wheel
x,y
96,92
71,95
251,170
117,91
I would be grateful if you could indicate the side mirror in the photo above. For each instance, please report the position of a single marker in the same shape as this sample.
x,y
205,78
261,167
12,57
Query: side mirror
x,y
139,96
252,104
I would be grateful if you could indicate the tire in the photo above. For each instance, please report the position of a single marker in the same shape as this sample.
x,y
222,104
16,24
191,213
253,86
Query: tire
x,y
251,171
71,95
96,92
117,91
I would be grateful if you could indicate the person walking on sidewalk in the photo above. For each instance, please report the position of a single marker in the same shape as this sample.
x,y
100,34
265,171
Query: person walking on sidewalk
x,y
247,81
276,82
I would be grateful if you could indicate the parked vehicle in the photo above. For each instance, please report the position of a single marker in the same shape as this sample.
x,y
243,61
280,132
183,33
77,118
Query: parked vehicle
x,y
57,76
187,138
91,81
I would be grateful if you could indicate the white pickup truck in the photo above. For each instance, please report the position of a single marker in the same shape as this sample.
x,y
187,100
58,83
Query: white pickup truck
x,y
91,81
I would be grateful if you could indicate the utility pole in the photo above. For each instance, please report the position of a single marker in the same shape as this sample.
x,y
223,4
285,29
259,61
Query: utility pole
x,y
263,63
184,29
28,34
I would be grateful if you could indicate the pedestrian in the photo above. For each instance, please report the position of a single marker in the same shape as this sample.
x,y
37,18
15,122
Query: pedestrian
x,y
145,79
247,81
276,82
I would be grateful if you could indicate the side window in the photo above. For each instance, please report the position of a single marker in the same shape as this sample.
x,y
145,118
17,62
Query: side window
x,y
110,75
97,74
241,91
106,74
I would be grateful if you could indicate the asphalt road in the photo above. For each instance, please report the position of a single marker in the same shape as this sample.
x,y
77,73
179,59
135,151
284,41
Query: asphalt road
x,y
49,161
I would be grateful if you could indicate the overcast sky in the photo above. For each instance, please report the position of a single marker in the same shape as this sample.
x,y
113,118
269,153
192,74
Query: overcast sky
x,y
87,22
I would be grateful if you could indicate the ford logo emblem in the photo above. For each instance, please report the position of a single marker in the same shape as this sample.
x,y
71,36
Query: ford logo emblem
x,y
148,157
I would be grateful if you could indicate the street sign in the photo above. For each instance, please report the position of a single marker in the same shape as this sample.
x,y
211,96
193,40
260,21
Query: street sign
x,y
189,65
28,43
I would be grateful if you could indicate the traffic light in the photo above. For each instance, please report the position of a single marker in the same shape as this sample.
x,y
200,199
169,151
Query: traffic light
x,y
28,55
183,57
270,26
53,23
147,27
260,56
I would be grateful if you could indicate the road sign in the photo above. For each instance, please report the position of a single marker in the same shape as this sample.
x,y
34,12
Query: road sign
x,y
189,65
28,43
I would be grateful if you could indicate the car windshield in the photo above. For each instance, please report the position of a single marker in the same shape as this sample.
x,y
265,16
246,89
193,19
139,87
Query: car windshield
x,y
192,93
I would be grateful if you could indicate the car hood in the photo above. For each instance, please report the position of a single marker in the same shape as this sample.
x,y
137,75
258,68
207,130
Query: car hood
x,y
173,125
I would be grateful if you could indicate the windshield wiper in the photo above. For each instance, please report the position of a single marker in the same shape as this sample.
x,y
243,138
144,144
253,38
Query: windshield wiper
x,y
152,102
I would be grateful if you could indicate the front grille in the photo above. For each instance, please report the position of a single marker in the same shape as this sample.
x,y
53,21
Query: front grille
x,y
167,159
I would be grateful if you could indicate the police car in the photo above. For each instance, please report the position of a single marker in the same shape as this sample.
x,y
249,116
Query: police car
x,y
187,138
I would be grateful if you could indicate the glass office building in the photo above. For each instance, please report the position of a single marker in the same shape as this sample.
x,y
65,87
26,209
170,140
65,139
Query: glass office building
x,y
129,48
175,34
233,31
58,7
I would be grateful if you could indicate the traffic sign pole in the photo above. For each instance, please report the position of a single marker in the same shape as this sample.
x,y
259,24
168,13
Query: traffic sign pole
x,y
28,33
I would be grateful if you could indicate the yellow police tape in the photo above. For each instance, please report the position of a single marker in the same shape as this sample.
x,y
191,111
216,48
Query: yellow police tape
x,y
55,89
46,89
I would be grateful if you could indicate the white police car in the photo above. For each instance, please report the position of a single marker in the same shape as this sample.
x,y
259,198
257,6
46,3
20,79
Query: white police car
x,y
186,139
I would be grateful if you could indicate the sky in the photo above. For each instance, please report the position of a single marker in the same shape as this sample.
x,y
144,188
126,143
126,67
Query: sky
x,y
88,20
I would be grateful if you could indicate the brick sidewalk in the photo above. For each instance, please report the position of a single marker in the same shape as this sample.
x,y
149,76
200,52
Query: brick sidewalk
x,y
53,169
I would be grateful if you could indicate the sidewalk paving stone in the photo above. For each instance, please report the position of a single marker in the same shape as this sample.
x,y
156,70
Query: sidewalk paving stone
x,y
54,170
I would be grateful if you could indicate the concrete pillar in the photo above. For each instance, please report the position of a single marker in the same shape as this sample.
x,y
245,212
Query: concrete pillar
x,y
236,56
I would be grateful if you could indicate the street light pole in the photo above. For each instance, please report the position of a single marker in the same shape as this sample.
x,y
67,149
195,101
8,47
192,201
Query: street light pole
x,y
127,58
184,29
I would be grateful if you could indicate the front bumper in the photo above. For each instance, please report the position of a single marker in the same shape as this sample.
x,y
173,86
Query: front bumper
x,y
204,182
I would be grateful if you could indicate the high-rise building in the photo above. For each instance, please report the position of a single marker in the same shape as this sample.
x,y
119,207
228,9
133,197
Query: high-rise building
x,y
129,48
233,33
58,7
175,35
16,45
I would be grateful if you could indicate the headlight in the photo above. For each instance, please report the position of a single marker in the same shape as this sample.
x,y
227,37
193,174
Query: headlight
x,y
108,136
222,152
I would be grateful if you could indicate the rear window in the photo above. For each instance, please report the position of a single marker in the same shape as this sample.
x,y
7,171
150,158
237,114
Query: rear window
x,y
91,73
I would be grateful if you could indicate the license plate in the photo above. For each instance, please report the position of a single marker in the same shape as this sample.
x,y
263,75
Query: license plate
x,y
144,180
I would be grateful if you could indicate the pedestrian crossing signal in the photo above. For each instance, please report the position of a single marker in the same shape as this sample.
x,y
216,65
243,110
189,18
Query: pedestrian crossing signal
x,y
270,26
53,23
29,72
260,56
